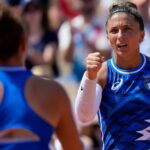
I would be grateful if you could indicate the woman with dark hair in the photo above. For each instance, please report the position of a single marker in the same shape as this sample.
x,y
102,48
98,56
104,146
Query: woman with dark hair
x,y
118,90
42,42
32,109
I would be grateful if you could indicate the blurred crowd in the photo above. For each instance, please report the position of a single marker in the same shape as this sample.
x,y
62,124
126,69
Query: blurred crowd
x,y
60,34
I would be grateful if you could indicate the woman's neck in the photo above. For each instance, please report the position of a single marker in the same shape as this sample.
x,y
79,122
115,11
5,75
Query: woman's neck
x,y
128,63
16,60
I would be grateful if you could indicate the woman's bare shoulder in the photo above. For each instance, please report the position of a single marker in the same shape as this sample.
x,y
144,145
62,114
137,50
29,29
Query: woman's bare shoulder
x,y
45,87
45,96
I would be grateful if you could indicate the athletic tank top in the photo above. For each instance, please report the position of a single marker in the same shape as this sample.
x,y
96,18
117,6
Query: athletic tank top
x,y
124,113
15,113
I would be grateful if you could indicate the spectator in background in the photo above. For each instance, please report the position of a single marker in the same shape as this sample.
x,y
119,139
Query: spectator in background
x,y
69,8
42,42
81,35
15,6
144,6
54,16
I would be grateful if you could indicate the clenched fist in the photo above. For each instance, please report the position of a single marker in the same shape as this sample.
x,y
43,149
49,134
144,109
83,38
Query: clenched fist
x,y
93,64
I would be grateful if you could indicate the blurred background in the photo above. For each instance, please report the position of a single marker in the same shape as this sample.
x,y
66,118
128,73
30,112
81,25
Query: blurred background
x,y
60,34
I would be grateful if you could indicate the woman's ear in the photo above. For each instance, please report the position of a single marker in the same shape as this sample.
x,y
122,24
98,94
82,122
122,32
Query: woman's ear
x,y
23,44
142,36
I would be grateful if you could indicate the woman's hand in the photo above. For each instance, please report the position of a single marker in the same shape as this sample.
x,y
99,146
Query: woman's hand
x,y
93,64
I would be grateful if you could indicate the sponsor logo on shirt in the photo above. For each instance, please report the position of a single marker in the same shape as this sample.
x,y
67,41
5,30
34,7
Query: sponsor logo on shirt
x,y
117,84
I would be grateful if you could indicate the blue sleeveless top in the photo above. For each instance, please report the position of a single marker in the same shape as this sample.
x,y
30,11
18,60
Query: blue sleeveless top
x,y
15,113
124,113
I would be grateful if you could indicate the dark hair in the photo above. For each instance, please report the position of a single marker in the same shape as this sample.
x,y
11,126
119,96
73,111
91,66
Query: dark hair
x,y
13,2
126,7
11,33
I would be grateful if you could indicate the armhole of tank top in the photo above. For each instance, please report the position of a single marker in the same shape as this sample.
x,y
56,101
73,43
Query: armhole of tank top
x,y
107,74
1,92
24,84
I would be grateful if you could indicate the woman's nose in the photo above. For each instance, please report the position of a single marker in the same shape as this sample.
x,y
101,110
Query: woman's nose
x,y
120,34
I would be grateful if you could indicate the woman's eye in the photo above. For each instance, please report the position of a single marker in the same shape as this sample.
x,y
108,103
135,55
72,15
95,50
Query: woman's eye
x,y
113,31
127,29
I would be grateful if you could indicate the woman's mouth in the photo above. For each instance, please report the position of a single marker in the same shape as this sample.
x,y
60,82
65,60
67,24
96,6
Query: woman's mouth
x,y
122,47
